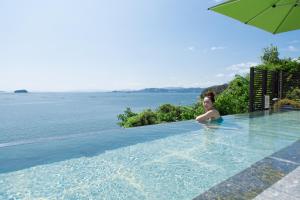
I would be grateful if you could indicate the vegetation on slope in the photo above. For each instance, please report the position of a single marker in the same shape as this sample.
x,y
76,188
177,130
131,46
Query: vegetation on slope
x,y
231,98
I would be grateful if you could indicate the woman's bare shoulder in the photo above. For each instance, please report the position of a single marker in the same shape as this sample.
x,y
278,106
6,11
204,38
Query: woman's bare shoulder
x,y
215,113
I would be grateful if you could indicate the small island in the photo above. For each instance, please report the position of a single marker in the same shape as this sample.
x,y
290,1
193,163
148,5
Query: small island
x,y
21,91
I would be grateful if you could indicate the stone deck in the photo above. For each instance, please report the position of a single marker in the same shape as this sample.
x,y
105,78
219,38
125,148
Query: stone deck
x,y
274,177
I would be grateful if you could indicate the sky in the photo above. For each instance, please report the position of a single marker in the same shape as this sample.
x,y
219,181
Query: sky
x,y
103,45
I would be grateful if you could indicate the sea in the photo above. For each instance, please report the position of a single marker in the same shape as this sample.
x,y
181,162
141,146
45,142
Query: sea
x,y
27,116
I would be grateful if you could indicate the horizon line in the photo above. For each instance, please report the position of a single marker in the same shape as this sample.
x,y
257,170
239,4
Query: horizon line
x,y
102,90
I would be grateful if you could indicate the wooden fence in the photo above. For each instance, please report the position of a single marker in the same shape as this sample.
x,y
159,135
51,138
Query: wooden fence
x,y
274,84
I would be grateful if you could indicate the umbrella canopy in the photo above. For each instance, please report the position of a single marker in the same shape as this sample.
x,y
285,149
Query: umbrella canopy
x,y
274,16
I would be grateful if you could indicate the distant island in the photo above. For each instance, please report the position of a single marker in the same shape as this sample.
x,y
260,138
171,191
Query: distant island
x,y
20,91
163,90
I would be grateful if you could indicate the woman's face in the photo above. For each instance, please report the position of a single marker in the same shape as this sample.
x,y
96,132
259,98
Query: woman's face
x,y
207,103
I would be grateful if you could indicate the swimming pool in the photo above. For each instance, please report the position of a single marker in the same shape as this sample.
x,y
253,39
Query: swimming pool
x,y
168,161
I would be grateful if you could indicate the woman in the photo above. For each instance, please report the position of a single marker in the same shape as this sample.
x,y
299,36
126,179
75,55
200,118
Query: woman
x,y
211,114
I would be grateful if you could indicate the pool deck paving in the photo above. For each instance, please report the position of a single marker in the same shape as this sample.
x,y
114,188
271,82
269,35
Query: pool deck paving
x,y
287,188
274,177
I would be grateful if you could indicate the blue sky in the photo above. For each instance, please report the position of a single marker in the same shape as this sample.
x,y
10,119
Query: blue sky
x,y
93,45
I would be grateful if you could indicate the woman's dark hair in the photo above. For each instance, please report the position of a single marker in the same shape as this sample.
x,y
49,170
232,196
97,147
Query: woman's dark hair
x,y
211,96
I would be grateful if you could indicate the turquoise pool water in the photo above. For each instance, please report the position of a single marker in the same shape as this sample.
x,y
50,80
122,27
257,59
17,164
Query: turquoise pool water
x,y
169,161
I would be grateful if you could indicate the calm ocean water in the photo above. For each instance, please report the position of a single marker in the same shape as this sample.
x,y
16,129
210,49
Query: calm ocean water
x,y
42,115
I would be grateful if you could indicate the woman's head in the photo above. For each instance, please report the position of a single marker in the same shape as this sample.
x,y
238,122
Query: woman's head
x,y
208,101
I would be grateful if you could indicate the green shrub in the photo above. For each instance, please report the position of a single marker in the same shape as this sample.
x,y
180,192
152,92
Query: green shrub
x,y
293,94
284,102
198,109
124,117
235,98
187,113
147,117
171,113
287,65
168,113
165,113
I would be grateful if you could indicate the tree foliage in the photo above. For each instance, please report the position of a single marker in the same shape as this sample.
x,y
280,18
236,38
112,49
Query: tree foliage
x,y
146,117
293,94
286,102
272,62
270,55
235,98
126,116
168,113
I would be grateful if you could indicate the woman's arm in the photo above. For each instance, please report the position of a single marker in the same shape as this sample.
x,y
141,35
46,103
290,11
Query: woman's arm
x,y
208,115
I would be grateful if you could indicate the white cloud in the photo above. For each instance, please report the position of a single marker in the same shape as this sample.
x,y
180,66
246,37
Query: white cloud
x,y
190,48
241,68
218,1
214,48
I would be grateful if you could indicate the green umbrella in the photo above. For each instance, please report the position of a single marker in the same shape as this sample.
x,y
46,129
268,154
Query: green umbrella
x,y
275,16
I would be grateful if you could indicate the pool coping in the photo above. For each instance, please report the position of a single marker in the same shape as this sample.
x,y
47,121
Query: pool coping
x,y
255,179
288,188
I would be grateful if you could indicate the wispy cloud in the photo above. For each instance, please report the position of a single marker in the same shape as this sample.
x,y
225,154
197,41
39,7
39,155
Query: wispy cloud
x,y
214,48
190,48
218,1
241,68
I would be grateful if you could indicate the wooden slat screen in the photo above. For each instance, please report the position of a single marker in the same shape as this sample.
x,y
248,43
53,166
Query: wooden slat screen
x,y
276,84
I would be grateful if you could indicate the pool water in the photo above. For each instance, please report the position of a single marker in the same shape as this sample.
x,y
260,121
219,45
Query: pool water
x,y
168,161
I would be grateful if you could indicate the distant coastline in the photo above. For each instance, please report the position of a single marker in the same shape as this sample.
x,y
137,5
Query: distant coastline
x,y
163,90
216,88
